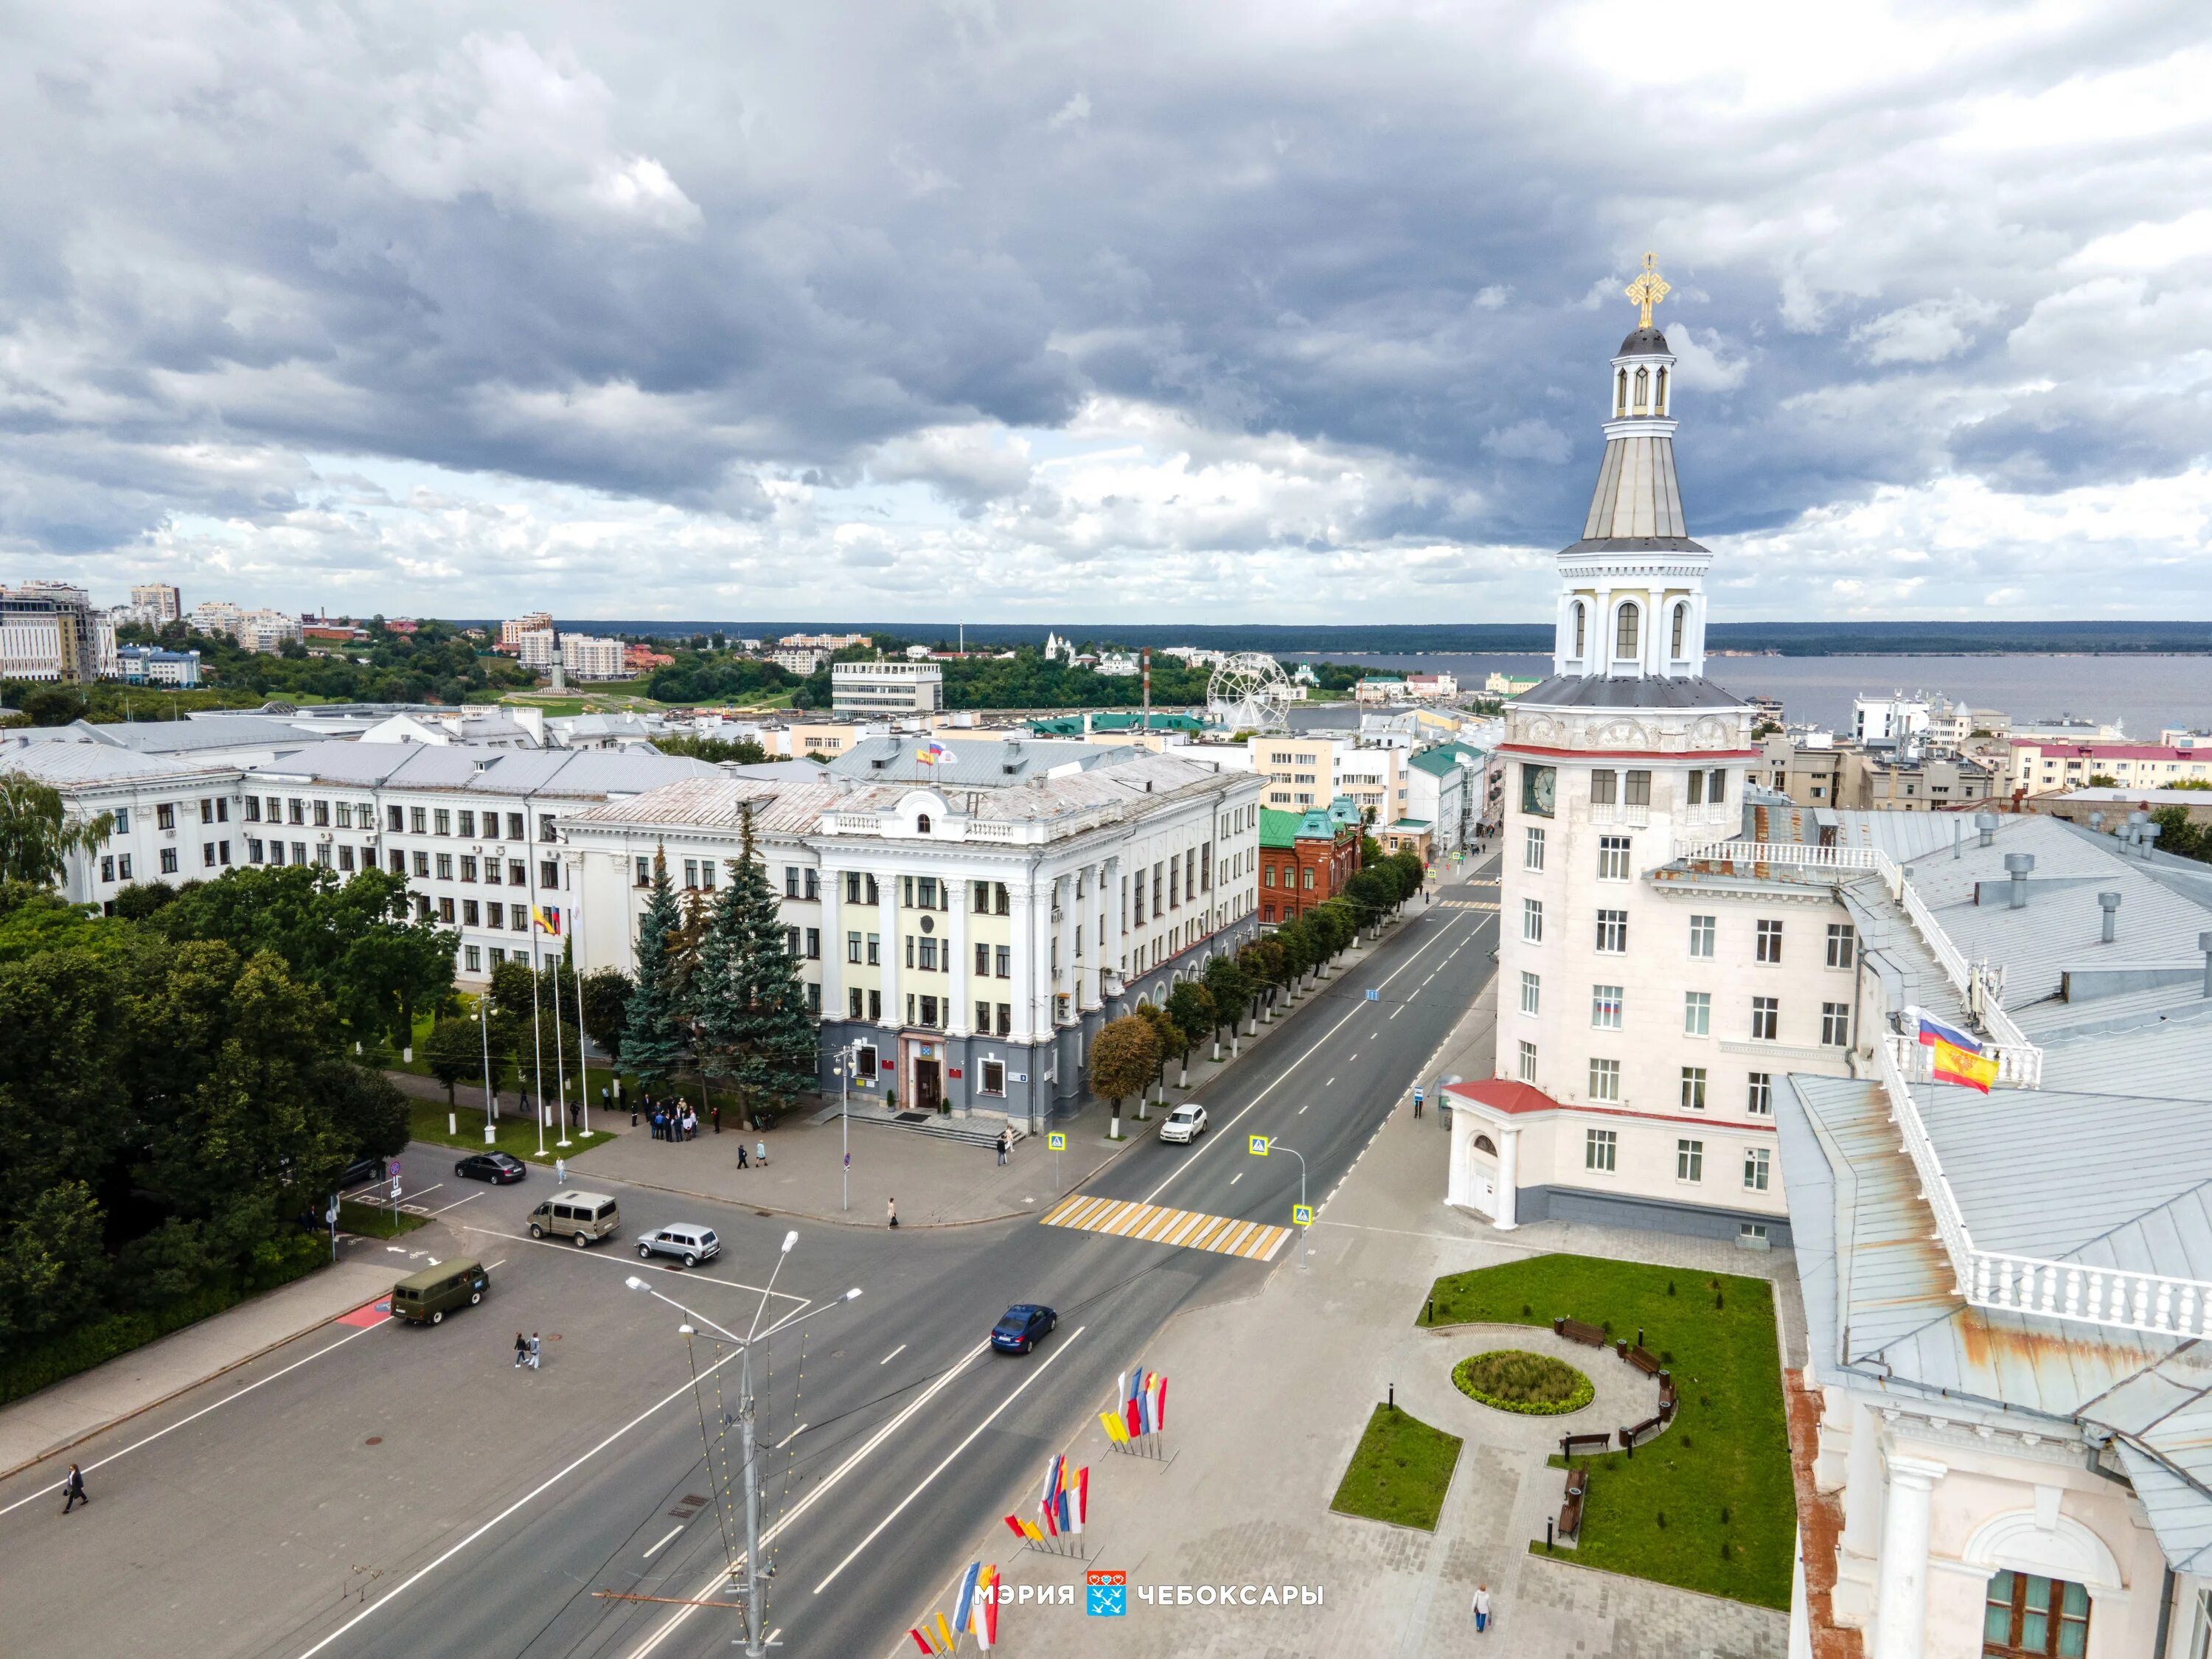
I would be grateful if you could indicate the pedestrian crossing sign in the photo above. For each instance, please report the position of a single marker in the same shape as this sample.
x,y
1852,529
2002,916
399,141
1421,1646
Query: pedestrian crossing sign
x,y
1057,1141
1259,1144
1302,1215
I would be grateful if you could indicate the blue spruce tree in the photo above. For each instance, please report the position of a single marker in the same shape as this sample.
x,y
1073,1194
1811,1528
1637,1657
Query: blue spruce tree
x,y
653,1034
746,1002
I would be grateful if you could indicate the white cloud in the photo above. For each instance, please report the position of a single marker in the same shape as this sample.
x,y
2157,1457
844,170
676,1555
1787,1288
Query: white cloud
x,y
1528,441
1925,331
1073,112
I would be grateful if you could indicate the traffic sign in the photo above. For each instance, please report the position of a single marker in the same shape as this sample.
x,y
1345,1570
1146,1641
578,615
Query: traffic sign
x,y
395,1190
1259,1144
1057,1141
1302,1215
1418,1097
1374,995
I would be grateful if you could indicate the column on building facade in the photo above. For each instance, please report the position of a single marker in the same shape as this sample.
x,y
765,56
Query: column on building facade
x,y
1111,911
1902,1599
833,944
1509,1173
1599,658
887,921
1090,983
956,980
1023,930
1071,913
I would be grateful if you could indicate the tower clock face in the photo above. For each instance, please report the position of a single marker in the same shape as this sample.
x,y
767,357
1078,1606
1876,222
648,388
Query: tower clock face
x,y
1540,788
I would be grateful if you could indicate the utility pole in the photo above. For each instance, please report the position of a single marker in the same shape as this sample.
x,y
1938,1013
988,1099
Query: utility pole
x,y
483,1028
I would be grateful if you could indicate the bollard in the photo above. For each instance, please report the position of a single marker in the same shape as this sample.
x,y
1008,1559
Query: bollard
x,y
452,1123
1640,1336
1394,1396
1432,1311
1547,1535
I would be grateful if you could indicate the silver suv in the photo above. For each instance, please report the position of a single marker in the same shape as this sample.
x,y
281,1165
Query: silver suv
x,y
689,1241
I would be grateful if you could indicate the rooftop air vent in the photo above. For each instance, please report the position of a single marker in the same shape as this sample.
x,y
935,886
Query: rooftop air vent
x,y
2109,903
2017,865
1986,823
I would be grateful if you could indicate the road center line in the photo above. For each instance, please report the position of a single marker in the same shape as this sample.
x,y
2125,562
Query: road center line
x,y
204,1410
892,1355
1238,1177
1182,1168
672,1531
457,1204
949,1457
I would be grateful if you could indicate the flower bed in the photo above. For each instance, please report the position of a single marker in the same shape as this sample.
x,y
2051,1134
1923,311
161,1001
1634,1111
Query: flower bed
x,y
1514,1380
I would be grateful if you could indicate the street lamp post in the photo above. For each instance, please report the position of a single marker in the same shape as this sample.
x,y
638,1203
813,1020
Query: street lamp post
x,y
483,1028
755,1646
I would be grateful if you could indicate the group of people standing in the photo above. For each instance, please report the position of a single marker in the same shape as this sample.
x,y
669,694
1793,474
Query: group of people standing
x,y
677,1121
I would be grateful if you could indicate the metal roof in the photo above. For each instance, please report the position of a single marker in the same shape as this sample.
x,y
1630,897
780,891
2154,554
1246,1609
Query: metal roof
x,y
66,763
1599,691
971,762
581,773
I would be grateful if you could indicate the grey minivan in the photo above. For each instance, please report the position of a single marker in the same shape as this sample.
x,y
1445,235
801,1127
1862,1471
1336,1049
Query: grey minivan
x,y
583,1217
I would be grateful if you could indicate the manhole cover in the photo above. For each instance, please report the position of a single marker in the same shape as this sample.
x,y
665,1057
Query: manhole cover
x,y
374,1440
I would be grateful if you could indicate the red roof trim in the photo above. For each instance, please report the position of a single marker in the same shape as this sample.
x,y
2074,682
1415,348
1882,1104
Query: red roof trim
x,y
1632,754
1518,1099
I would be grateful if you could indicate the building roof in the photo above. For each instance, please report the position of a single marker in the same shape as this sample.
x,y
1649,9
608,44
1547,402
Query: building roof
x,y
1645,341
1072,726
972,762
2110,749
1440,761
1637,495
1411,827
64,764
1279,830
1649,691
584,773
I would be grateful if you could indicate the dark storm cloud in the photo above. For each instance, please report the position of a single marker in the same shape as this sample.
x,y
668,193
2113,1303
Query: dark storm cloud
x,y
666,253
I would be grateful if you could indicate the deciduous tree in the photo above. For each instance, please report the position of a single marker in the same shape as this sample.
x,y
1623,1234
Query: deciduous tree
x,y
1123,1057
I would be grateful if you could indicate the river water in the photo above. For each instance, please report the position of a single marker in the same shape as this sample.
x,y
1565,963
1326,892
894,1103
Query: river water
x,y
2144,694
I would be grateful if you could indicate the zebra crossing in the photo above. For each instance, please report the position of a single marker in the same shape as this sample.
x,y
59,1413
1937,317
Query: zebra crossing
x,y
1468,904
1193,1230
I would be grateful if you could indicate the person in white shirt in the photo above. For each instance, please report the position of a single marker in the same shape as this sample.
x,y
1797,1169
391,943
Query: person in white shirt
x,y
1481,1608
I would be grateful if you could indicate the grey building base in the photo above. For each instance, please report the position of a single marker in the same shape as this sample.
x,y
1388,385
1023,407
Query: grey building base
x,y
1045,1078
1657,1215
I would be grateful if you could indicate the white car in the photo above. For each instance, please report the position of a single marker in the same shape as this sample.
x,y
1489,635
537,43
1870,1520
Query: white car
x,y
1186,1123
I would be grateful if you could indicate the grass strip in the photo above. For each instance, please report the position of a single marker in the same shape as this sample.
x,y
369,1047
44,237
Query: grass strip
x,y
1400,1472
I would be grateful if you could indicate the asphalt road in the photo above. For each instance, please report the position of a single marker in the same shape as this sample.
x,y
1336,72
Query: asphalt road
x,y
394,1489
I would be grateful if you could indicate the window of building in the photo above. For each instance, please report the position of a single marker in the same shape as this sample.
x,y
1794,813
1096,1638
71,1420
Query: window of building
x,y
929,1012
1605,1080
853,1002
1613,932
1835,1025
791,881
928,964
1690,1160
1002,960
345,857
393,819
875,1005
814,945
295,810
107,867
443,819
1006,1018
1532,991
398,858
1532,920
1716,786
1682,624
706,875
1756,1171
169,860
548,874
544,827
875,950
1759,1101
165,816
445,911
994,1080
444,867
1625,632
473,955
1605,787
1766,1018
123,866
206,855
1697,788
418,819
1612,858
423,864
1636,788
516,875
1842,944
1693,1087
1528,1062
468,913
1605,1007
1532,848
2024,1614
1703,930
1770,942
1696,1014
468,822
517,918
1599,1147
252,809
1002,901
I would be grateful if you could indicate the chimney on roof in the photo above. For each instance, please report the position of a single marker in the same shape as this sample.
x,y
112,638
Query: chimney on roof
x,y
1987,824
2147,834
2097,821
2017,865
2109,903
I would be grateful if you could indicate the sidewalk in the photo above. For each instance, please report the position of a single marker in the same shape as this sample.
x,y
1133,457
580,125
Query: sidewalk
x,y
937,1182
1270,1394
56,1418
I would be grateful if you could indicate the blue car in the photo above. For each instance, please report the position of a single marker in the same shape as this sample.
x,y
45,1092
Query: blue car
x,y
1021,1327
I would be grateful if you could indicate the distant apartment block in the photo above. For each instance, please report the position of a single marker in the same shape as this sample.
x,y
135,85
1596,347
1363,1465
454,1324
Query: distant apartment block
x,y
538,648
823,643
800,659
147,664
262,630
587,657
160,602
2039,766
877,688
511,631
48,632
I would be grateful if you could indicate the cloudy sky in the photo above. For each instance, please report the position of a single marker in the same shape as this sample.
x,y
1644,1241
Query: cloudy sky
x,y
1282,311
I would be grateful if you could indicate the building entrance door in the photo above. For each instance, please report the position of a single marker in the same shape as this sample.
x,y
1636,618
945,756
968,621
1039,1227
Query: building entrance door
x,y
928,1085
1482,1170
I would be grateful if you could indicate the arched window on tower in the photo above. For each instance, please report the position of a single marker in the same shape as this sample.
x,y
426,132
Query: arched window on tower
x,y
1626,643
1620,394
1642,390
1581,618
1659,402
1681,626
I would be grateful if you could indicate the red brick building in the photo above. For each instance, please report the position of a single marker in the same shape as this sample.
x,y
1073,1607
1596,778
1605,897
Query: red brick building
x,y
1305,857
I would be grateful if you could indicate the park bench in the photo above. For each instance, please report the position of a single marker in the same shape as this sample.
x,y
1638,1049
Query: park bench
x,y
1570,1512
1574,1444
1575,1331
1642,1358
1667,1399
1634,1432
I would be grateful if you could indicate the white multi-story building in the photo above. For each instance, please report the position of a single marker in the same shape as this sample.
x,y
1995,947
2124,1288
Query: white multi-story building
x,y
801,659
147,664
48,632
216,617
967,921
511,630
538,648
886,688
161,602
255,630
588,657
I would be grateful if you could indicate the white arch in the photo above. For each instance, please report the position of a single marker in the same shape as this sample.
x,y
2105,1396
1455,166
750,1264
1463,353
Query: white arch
x,y
1627,631
1582,620
1681,640
1620,395
2016,1541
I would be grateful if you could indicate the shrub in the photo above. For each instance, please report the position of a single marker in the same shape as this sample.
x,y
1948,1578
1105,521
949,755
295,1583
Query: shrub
x,y
1532,1384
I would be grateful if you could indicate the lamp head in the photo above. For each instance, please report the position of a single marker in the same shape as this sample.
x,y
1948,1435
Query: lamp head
x,y
853,1295
636,1284
685,1331
790,1239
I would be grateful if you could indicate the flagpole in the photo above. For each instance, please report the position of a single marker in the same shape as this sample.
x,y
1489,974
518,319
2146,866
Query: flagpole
x,y
536,1035
583,1068
560,1061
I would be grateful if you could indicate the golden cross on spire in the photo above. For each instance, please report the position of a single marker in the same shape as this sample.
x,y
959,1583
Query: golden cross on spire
x,y
1648,288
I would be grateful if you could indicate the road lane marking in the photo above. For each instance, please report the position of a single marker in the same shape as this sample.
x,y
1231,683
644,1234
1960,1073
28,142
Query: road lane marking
x,y
793,1436
628,1264
892,1355
1442,934
791,1516
457,1204
1331,1084
1400,1009
1027,1383
1151,1223
42,1492
1302,1112
1238,1177
672,1531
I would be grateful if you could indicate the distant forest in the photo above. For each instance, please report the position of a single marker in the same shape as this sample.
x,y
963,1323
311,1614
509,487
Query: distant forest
x,y
1790,639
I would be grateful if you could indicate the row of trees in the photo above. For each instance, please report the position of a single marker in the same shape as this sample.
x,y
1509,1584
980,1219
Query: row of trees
x,y
179,1085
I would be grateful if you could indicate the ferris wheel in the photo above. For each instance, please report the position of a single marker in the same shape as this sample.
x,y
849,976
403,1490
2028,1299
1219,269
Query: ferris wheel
x,y
1249,692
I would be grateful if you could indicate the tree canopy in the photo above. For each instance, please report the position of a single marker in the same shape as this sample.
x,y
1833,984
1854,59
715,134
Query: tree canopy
x,y
1124,1056
745,1001
36,836
652,1035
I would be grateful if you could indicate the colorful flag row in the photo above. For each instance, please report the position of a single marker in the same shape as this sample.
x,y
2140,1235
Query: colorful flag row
x,y
1064,1507
1144,1408
974,1613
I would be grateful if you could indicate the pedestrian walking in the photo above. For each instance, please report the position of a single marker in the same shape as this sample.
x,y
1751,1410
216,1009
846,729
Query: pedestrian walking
x,y
760,1153
742,1165
715,1113
521,1350
73,1492
1005,1135
890,1209
560,1171
535,1353
1481,1608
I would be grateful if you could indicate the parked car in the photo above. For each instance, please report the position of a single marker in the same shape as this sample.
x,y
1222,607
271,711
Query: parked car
x,y
583,1217
1022,1326
687,1241
362,1169
1186,1123
502,1169
425,1298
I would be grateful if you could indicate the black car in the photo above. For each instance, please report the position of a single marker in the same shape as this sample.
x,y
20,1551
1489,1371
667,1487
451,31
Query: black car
x,y
503,1169
360,1170
1022,1326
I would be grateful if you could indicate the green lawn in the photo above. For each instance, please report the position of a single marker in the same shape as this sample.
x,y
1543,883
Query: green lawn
x,y
1400,1472
519,1135
370,1221
1659,1514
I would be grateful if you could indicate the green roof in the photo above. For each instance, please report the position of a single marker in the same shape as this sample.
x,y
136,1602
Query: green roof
x,y
1278,828
1412,826
1070,726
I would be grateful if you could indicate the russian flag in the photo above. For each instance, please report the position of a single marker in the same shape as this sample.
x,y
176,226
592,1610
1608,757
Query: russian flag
x,y
1934,1032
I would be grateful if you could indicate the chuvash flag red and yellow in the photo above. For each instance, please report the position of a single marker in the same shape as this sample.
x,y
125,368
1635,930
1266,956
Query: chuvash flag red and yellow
x,y
1958,1058
1144,1409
